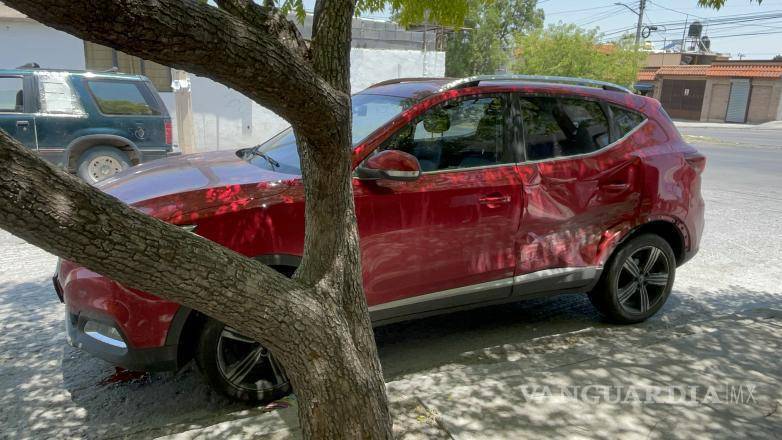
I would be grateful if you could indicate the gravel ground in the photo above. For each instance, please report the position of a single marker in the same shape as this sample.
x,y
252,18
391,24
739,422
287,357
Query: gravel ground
x,y
49,390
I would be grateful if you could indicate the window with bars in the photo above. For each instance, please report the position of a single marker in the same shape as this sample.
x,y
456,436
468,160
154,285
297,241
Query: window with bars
x,y
100,58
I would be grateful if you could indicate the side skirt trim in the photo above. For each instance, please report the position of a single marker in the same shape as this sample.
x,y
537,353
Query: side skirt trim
x,y
559,280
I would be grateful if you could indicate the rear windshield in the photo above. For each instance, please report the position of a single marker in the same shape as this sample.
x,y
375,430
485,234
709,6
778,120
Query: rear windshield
x,y
123,98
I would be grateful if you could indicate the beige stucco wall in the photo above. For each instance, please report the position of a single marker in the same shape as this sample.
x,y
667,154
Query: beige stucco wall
x,y
715,100
764,101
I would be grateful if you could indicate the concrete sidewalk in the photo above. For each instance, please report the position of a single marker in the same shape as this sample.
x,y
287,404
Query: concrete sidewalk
x,y
717,378
773,125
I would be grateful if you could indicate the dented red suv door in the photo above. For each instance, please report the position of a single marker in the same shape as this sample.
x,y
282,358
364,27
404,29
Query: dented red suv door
x,y
575,198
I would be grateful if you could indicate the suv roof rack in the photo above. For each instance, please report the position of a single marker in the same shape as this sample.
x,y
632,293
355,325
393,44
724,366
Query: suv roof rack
x,y
475,80
401,80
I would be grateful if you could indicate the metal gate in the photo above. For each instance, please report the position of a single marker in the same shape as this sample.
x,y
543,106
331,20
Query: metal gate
x,y
738,101
683,98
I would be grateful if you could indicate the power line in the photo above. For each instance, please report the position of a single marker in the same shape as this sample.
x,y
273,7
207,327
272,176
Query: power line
x,y
570,11
716,23
674,10
600,16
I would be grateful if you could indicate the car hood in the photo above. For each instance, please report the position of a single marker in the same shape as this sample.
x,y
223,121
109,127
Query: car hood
x,y
187,173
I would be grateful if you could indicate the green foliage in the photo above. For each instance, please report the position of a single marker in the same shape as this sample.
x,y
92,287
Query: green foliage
x,y
446,12
717,4
485,46
567,50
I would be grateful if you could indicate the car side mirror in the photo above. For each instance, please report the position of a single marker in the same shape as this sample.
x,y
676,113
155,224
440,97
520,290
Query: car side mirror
x,y
390,165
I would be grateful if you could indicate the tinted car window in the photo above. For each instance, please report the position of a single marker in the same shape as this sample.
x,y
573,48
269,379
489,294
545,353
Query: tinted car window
x,y
11,95
122,98
563,127
459,134
625,120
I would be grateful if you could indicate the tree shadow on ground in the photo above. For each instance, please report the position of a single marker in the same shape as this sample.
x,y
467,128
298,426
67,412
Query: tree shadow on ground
x,y
50,389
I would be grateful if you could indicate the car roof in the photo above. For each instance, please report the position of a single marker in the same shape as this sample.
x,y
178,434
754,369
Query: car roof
x,y
407,87
422,87
87,73
418,89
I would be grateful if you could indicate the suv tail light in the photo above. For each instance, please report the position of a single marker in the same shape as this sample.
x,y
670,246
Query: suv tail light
x,y
696,160
169,134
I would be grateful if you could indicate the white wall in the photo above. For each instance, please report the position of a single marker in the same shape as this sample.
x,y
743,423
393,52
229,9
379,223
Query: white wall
x,y
23,42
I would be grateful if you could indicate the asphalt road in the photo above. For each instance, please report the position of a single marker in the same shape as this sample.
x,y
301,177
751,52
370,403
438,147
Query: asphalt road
x,y
741,160
50,390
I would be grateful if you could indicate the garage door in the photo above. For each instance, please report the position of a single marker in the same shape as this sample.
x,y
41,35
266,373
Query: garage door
x,y
683,98
739,99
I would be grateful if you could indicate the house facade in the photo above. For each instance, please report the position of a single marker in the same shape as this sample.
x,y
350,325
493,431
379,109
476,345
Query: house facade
x,y
222,118
724,91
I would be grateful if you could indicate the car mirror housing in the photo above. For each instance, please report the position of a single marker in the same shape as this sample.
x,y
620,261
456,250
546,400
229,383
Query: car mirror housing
x,y
390,165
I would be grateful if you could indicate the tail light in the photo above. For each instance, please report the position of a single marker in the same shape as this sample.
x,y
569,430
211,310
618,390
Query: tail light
x,y
169,134
696,160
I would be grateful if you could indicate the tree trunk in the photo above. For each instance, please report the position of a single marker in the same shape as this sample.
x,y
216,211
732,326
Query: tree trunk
x,y
316,324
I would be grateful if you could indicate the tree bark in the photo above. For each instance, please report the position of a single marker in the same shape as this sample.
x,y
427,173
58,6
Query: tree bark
x,y
316,324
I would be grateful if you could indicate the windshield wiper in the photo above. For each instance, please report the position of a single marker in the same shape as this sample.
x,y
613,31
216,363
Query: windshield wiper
x,y
254,151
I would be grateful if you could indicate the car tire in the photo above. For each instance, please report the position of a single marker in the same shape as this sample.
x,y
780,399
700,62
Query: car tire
x,y
637,280
238,367
99,163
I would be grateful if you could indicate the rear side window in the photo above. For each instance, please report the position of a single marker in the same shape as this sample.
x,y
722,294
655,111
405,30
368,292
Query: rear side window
x,y
123,98
563,127
11,95
625,120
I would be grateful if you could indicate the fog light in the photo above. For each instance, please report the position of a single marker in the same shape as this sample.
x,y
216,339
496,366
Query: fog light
x,y
104,333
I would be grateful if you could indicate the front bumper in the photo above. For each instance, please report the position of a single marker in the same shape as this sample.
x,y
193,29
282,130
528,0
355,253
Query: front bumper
x,y
114,348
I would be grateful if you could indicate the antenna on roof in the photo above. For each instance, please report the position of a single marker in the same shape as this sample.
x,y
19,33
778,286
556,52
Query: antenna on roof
x,y
113,69
30,66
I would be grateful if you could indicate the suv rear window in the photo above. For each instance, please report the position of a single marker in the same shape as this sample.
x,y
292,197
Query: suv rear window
x,y
122,98
11,95
563,127
625,120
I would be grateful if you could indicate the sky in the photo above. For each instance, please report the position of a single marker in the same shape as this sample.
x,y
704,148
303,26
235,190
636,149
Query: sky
x,y
754,37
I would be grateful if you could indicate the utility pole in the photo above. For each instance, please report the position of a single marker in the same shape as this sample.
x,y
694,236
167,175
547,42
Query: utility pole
x,y
640,14
641,8
184,111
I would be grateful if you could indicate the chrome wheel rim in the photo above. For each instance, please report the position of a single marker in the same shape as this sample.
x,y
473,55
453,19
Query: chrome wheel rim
x,y
103,166
246,364
643,280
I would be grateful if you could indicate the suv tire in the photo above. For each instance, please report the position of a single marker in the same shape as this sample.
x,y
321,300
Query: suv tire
x,y
99,163
238,367
637,280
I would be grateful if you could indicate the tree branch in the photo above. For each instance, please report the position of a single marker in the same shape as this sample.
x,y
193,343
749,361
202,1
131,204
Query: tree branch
x,y
95,230
207,41
268,17
332,26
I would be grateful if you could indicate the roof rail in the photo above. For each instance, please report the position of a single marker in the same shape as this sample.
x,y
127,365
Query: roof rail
x,y
401,80
475,80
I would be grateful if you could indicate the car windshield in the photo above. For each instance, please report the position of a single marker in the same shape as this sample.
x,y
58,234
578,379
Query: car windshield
x,y
370,112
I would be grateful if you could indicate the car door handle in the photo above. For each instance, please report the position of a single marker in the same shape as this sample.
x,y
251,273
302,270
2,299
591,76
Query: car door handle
x,y
494,199
22,123
615,187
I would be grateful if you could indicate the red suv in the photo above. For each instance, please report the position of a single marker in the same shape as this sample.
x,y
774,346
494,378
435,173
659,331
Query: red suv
x,y
471,192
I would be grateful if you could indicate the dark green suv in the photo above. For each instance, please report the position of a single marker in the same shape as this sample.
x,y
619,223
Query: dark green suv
x,y
92,124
